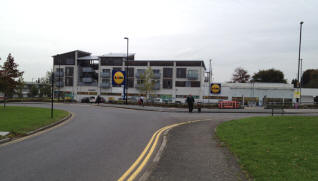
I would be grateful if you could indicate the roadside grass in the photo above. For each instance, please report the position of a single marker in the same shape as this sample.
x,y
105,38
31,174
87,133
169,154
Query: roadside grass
x,y
20,120
274,148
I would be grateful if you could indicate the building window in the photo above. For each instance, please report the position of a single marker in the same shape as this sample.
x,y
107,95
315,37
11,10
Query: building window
x,y
180,83
59,69
130,72
195,83
140,72
131,82
69,71
156,84
167,84
181,72
68,81
117,68
193,75
167,72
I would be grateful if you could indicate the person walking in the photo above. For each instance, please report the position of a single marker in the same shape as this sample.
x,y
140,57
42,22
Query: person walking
x,y
190,101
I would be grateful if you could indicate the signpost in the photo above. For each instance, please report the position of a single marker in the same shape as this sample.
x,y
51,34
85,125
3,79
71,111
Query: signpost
x,y
118,78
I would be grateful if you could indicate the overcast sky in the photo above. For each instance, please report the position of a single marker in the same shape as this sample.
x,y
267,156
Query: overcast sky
x,y
252,34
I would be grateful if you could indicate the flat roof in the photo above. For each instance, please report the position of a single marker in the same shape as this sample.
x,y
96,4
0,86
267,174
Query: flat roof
x,y
117,55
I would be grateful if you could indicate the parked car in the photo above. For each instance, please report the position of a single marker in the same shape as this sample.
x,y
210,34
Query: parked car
x,y
85,100
92,99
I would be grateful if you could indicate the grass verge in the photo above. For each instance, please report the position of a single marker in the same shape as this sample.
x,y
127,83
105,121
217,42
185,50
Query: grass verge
x,y
20,120
274,148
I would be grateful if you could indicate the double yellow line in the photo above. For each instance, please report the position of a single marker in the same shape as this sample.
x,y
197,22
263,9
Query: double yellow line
x,y
133,172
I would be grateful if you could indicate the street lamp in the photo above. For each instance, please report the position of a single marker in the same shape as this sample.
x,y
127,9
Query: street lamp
x,y
301,79
126,85
301,26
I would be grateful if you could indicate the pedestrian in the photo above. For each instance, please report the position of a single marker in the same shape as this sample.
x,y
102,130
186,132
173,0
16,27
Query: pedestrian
x,y
142,101
98,99
190,101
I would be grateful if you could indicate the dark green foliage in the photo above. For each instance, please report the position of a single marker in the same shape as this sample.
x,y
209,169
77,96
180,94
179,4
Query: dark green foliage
x,y
310,78
270,75
9,74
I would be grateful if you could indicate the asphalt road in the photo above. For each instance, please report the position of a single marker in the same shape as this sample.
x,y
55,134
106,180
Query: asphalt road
x,y
99,143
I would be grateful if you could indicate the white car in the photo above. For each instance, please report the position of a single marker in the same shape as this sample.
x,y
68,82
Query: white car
x,y
92,99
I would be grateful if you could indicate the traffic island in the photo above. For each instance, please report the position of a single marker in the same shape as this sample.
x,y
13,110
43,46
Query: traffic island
x,y
274,148
20,121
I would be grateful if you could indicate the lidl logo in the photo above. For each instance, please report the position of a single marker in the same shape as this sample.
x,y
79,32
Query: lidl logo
x,y
215,88
118,77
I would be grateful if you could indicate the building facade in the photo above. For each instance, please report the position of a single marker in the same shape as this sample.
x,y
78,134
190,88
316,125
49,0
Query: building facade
x,y
78,75
252,93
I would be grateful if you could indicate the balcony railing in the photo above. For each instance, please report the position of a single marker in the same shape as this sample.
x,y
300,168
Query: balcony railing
x,y
59,74
105,85
87,69
59,84
139,85
139,74
193,76
156,86
87,80
105,74
156,76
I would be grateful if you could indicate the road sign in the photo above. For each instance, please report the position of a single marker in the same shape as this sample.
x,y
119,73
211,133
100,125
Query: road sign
x,y
215,88
118,77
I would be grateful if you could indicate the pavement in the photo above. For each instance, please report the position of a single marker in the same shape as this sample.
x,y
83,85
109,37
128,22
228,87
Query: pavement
x,y
3,133
193,153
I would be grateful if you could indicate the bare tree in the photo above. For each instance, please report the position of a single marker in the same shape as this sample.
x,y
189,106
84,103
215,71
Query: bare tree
x,y
147,85
240,75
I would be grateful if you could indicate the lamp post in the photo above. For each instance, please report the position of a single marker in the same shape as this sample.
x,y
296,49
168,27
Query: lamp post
x,y
126,85
301,26
301,79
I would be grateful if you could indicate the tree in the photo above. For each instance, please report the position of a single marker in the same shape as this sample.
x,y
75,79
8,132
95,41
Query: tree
x,y
45,86
20,87
295,83
33,90
270,75
146,84
310,78
240,75
9,74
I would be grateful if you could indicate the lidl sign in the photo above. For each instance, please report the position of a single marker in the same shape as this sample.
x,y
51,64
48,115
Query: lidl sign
x,y
215,88
118,77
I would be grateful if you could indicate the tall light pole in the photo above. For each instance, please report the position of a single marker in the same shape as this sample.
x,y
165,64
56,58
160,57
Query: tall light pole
x,y
301,27
301,79
126,85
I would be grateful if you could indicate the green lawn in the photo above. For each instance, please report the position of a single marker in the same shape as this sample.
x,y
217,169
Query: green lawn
x,y
20,120
274,148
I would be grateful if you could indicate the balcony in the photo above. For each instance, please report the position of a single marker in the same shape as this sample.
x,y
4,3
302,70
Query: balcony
x,y
59,74
105,85
87,79
193,76
156,76
87,69
105,74
139,85
156,86
140,72
59,84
